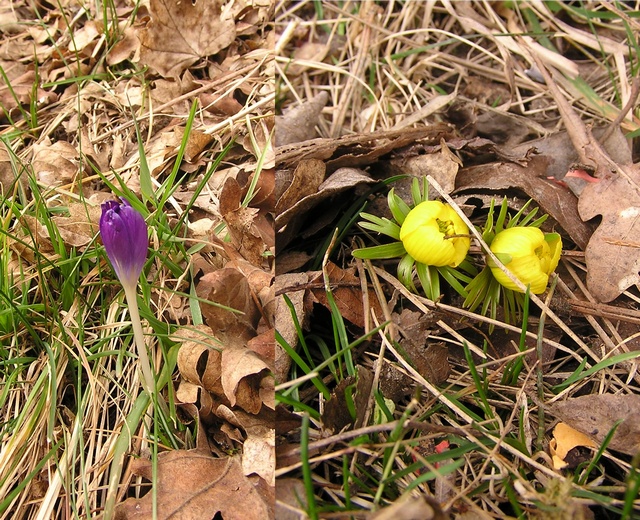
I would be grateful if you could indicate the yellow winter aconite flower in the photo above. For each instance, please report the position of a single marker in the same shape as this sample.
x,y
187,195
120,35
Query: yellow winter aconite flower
x,y
529,254
432,234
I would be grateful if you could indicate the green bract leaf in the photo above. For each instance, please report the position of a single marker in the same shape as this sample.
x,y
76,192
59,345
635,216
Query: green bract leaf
x,y
399,208
380,225
405,272
419,194
380,252
454,277
430,280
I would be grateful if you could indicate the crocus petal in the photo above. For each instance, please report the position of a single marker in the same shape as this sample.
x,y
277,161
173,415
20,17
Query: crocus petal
x,y
124,235
429,234
533,257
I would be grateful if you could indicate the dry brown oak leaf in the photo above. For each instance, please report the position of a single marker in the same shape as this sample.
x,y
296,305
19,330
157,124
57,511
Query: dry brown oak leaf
x,y
596,415
193,485
613,252
180,33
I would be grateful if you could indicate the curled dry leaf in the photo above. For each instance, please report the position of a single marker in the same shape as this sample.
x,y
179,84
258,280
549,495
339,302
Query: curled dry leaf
x,y
288,222
305,181
298,123
180,33
76,230
81,226
193,484
410,507
251,233
241,376
197,141
337,413
613,253
596,415
229,288
251,229
553,198
199,360
125,48
232,372
261,283
285,324
566,438
443,166
347,293
259,447
220,105
55,164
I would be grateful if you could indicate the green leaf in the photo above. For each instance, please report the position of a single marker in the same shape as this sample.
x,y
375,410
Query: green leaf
x,y
405,272
399,208
382,252
380,225
453,277
429,279
419,194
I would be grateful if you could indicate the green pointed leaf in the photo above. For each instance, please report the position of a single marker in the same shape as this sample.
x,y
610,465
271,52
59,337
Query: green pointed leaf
x,y
429,279
382,252
453,277
419,194
380,225
405,272
399,208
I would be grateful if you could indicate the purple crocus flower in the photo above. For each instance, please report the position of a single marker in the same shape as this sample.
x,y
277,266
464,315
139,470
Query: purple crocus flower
x,y
124,235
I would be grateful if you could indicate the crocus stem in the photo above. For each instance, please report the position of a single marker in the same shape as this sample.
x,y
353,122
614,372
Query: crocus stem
x,y
138,336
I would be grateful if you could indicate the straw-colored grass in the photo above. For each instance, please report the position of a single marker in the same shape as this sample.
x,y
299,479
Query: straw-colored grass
x,y
391,65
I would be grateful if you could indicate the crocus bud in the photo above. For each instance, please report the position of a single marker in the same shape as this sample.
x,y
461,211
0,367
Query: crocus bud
x,y
433,234
529,254
124,235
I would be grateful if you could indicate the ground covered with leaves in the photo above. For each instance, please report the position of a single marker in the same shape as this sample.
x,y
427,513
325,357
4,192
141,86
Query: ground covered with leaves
x,y
169,105
394,405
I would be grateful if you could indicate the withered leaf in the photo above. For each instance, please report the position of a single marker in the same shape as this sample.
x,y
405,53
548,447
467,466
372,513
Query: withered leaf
x,y
595,415
199,359
290,220
229,370
305,181
613,253
81,226
180,33
229,288
554,199
358,149
337,413
410,508
284,320
242,372
298,123
259,446
56,163
443,166
347,293
194,485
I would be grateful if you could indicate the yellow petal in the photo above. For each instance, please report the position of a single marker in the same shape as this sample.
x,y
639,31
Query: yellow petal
x,y
534,256
429,234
